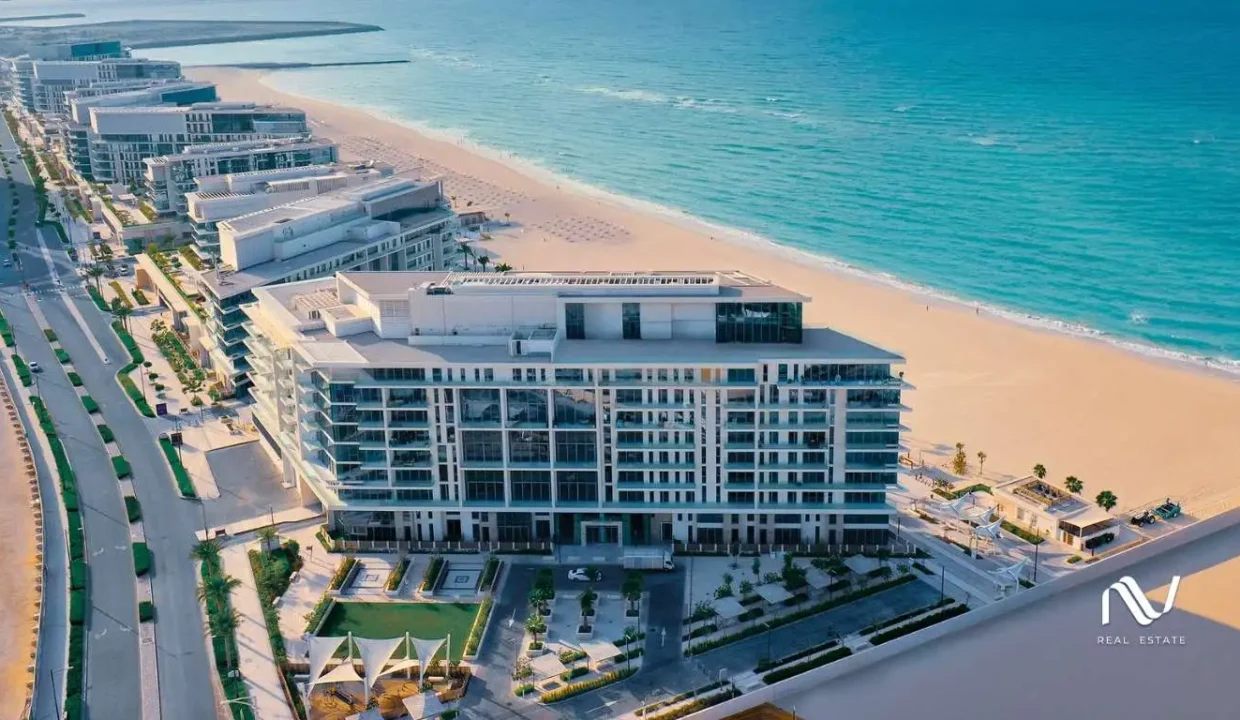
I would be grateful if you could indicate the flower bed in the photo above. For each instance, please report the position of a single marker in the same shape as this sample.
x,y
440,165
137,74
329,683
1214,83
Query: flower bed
x,y
133,508
140,297
563,693
89,403
342,572
431,576
397,575
120,294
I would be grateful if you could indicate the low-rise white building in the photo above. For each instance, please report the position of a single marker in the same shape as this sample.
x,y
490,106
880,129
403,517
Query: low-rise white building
x,y
396,223
1048,510
224,197
51,79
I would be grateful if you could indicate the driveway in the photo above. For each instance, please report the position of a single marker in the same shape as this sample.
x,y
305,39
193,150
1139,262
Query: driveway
x,y
249,484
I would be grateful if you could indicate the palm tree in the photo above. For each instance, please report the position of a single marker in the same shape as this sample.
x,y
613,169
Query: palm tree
x,y
120,312
535,625
483,260
468,252
94,271
268,536
224,625
217,589
1106,500
507,218
1074,484
208,551
1039,471
630,637
503,267
981,462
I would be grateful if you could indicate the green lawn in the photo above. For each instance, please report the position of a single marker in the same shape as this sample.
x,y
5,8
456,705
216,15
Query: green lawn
x,y
386,620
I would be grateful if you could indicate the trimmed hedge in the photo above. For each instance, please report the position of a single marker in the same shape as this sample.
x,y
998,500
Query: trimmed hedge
x,y
146,611
89,403
140,297
564,693
184,484
479,627
50,334
925,622
133,508
135,395
77,607
121,466
77,574
432,573
696,705
120,294
135,353
63,357
6,332
141,559
74,379
768,664
106,433
784,673
397,574
488,573
98,299
23,370
342,572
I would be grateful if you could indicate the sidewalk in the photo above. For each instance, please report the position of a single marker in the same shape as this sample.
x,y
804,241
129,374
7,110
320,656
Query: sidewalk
x,y
258,666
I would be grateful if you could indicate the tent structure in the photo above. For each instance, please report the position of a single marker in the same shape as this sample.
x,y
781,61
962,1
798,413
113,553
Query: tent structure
x,y
773,593
375,656
1010,575
817,579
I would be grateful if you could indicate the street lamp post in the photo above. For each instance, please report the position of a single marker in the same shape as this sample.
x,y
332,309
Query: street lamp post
x,y
51,673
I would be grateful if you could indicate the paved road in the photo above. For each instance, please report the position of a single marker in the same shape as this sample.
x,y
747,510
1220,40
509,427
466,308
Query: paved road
x,y
1044,660
169,521
489,692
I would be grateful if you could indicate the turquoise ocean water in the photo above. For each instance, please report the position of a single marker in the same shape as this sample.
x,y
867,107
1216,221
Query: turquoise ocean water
x,y
1074,163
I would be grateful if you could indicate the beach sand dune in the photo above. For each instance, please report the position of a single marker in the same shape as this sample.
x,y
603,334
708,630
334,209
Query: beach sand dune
x,y
1140,427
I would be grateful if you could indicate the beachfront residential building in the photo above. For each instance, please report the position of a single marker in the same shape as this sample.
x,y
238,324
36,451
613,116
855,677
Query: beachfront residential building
x,y
120,139
17,73
224,197
392,224
51,79
1050,511
169,177
609,407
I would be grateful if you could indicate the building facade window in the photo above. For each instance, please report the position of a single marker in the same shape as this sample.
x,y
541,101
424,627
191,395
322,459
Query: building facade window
x,y
484,486
482,446
575,321
479,406
576,447
527,408
575,408
531,486
631,321
758,323
529,446
576,486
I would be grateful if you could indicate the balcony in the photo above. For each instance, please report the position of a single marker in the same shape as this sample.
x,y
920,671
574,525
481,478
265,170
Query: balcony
x,y
630,465
871,405
857,447
656,446
621,485
654,405
666,425
811,467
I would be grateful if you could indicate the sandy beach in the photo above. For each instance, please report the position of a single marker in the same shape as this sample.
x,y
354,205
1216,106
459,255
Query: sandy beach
x,y
1140,427
19,570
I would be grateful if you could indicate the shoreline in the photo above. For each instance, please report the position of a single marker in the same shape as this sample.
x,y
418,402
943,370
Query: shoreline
x,y
1220,367
1022,391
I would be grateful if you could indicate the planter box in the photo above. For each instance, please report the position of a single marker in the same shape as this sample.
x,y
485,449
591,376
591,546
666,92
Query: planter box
x,y
587,635
535,653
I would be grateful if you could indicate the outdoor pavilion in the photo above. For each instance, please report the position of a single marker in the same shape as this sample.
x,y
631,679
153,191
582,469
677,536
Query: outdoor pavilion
x,y
817,579
547,665
728,609
599,651
377,657
773,593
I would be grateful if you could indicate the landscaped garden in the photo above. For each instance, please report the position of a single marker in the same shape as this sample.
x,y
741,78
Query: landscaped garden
x,y
394,619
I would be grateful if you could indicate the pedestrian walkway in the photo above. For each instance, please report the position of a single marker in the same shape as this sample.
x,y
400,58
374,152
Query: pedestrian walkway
x,y
258,665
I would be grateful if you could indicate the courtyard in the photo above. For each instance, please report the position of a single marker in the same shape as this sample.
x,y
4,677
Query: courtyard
x,y
394,619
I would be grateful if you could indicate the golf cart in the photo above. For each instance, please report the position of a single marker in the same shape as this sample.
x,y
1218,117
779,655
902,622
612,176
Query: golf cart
x,y
1145,518
1168,510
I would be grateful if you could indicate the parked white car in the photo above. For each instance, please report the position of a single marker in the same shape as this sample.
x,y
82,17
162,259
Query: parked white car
x,y
583,575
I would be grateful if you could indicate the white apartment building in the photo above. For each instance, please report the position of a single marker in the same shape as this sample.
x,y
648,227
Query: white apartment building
x,y
51,79
169,177
120,139
595,407
224,197
17,72
396,223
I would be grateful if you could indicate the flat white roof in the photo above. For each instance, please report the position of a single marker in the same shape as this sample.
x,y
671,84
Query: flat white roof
x,y
772,592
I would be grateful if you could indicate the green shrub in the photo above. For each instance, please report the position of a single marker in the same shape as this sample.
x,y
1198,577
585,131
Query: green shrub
x,y
77,607
146,611
6,332
141,559
397,575
89,403
50,334
316,615
692,707
925,622
23,371
567,691
784,673
574,673
431,575
479,627
140,297
63,357
342,572
121,466
184,484
98,299
77,574
135,353
120,294
904,616
133,509
1074,559
75,379
488,573
1020,532
105,432
135,395
525,689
